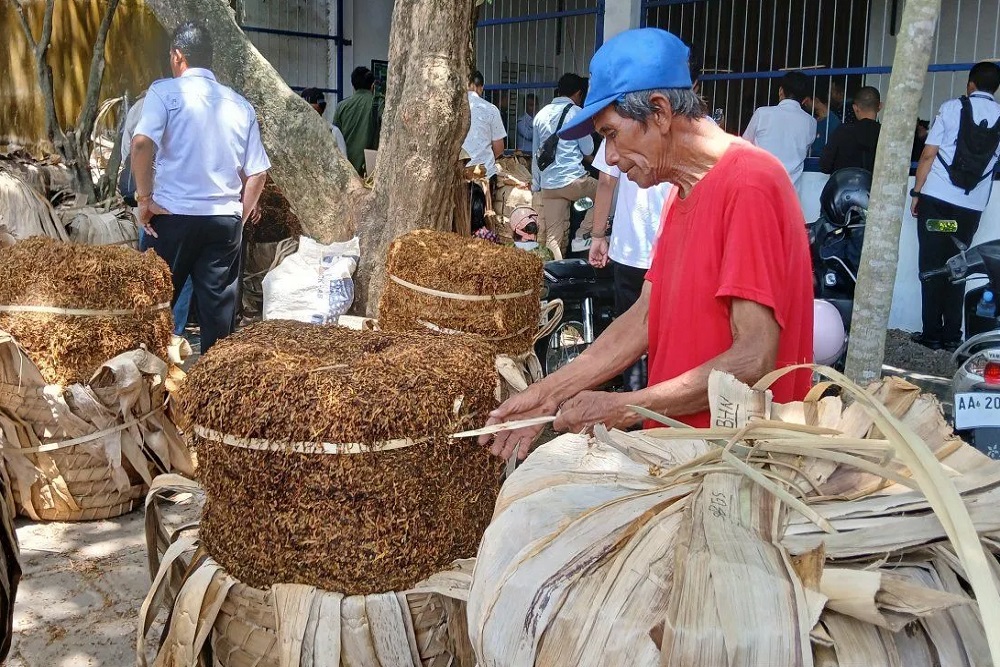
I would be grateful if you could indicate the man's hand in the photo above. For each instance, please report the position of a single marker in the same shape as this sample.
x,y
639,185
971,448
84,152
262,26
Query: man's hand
x,y
147,209
588,408
254,216
598,257
914,202
532,402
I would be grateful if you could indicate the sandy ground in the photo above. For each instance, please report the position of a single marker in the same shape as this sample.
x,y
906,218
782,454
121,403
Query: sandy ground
x,y
82,587
83,583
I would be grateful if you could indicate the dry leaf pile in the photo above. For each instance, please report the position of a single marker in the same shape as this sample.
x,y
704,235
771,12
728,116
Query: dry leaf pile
x,y
69,348
356,523
277,220
830,532
459,265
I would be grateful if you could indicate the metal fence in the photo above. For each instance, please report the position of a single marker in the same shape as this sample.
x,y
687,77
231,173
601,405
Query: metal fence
x,y
524,46
842,44
299,37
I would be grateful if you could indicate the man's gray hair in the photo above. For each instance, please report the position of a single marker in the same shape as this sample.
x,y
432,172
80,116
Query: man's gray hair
x,y
639,106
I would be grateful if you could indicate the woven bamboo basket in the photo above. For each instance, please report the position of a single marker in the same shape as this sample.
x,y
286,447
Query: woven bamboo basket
x,y
85,452
450,284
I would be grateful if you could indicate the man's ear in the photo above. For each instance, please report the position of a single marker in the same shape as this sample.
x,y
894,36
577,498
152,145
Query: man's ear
x,y
664,110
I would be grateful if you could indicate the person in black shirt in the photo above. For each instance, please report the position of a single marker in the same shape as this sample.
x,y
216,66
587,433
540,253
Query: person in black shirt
x,y
853,145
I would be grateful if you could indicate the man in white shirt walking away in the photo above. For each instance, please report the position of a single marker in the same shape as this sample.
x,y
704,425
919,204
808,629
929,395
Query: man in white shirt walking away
x,y
208,151
952,186
525,124
485,141
565,180
785,131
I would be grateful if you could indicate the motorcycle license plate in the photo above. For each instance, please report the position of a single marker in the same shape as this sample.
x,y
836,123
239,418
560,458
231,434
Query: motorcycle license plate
x,y
977,410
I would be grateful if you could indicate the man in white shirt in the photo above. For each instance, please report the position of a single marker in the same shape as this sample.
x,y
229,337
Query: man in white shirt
x,y
485,140
952,186
785,131
565,180
525,124
208,152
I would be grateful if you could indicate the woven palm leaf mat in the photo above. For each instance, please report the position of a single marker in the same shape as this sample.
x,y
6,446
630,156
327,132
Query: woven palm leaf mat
x,y
325,456
445,282
72,307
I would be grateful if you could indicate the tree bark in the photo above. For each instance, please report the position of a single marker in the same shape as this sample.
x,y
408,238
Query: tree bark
x,y
425,121
322,186
877,274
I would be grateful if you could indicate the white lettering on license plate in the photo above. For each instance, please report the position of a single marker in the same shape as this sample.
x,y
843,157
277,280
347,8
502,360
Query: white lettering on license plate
x,y
977,410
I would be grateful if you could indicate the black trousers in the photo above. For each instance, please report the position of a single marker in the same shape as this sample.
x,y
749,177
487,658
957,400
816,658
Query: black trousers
x,y
206,248
941,301
628,287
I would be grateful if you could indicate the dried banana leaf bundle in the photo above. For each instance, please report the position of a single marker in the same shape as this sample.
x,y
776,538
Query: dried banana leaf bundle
x,y
72,307
449,283
830,532
326,458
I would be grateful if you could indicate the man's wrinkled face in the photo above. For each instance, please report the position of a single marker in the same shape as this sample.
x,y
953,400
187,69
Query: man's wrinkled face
x,y
640,152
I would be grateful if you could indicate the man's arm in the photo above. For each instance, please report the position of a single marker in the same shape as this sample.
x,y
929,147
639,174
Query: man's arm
x,y
621,344
143,150
924,165
251,192
751,132
498,147
602,211
753,355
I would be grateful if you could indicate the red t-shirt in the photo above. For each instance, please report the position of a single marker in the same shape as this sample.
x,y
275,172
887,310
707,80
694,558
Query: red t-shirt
x,y
740,233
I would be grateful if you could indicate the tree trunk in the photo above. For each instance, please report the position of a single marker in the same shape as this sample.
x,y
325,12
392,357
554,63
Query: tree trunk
x,y
425,121
877,274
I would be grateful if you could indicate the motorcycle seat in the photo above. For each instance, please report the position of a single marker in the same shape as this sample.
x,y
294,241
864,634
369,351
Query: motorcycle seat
x,y
575,270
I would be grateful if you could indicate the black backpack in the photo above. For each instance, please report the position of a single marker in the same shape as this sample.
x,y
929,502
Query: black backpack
x,y
546,154
974,150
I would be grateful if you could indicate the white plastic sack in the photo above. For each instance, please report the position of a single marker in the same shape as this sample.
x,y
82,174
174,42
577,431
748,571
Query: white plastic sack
x,y
315,284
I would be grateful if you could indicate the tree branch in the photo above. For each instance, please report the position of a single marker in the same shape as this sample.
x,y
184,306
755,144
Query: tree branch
x,y
25,26
88,113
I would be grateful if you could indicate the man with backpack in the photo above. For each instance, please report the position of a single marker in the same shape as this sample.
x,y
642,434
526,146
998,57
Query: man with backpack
x,y
557,167
953,184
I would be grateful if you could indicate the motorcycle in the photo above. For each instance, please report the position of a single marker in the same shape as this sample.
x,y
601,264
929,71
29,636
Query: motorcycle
x,y
588,298
835,243
976,383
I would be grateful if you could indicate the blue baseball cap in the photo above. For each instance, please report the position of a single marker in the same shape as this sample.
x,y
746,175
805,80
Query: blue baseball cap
x,y
643,59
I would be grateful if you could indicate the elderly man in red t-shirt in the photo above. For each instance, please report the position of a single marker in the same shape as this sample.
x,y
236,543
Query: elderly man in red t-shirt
x,y
730,286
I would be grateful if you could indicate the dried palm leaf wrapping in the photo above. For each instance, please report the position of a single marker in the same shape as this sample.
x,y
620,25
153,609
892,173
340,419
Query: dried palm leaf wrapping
x,y
501,286
378,520
69,348
668,546
25,212
86,452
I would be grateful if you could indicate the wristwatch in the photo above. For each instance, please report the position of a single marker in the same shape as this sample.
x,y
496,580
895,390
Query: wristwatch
x,y
914,192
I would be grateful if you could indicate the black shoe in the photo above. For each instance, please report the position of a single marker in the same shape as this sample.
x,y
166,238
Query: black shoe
x,y
951,345
929,343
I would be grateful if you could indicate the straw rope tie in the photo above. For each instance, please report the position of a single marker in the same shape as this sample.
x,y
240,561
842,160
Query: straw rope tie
x,y
445,330
459,297
82,312
83,439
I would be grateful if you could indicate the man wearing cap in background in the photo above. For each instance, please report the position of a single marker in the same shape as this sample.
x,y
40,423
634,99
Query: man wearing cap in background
x,y
565,180
730,287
